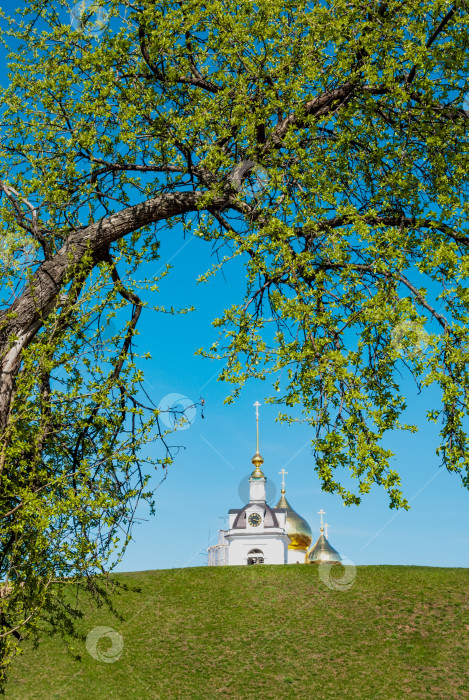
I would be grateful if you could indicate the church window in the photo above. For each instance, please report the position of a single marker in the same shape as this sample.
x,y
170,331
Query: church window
x,y
255,556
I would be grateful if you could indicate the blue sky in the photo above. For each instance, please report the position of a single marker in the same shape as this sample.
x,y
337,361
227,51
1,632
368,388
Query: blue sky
x,y
204,481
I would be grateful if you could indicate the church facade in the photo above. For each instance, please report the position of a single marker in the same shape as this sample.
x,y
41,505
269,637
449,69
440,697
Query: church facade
x,y
260,534
257,533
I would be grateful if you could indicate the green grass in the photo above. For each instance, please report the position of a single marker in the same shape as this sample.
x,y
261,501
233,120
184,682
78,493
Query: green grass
x,y
268,632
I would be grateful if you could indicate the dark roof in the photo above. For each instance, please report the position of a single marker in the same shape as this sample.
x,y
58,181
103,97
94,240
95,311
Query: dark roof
x,y
270,519
238,510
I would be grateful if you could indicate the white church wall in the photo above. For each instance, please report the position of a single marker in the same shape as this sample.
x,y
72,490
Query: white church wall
x,y
278,552
296,556
273,549
257,490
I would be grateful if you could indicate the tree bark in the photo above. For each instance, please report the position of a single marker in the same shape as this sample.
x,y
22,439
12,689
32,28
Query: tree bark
x,y
20,323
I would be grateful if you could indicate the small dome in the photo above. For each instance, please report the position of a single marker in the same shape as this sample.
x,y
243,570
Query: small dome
x,y
258,461
322,552
296,527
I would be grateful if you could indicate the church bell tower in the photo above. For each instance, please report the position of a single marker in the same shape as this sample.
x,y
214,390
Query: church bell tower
x,y
257,479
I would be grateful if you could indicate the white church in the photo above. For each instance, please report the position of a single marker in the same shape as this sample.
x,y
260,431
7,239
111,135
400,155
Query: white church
x,y
259,534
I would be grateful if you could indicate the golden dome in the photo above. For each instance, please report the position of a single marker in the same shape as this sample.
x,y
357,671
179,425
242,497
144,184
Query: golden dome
x,y
258,461
322,552
296,527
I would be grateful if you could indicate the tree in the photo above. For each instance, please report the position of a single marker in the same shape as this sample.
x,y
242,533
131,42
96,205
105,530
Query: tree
x,y
324,142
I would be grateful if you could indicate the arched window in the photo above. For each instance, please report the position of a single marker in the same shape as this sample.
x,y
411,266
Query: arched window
x,y
255,556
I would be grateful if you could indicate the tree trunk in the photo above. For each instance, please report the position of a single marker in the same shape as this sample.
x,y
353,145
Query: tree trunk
x,y
20,323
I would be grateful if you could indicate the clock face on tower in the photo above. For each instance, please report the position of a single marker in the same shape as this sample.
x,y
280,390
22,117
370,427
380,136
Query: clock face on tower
x,y
254,519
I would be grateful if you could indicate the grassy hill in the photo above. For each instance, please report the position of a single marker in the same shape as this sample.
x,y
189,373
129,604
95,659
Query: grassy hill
x,y
268,632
